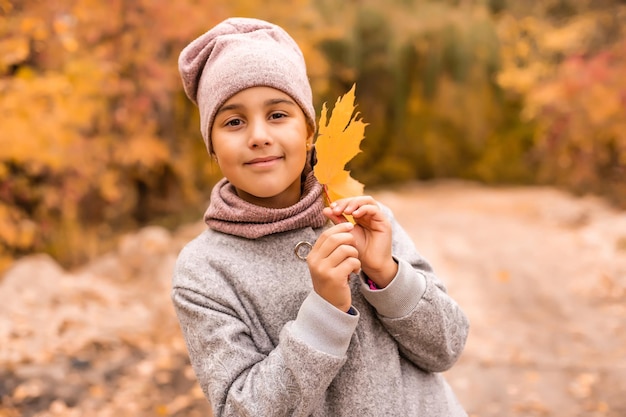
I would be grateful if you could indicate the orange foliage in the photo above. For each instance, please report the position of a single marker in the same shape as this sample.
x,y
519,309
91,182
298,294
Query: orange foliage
x,y
97,135
88,89
583,119
570,74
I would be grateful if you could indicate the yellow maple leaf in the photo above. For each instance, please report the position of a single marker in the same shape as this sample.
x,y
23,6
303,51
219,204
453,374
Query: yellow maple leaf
x,y
340,135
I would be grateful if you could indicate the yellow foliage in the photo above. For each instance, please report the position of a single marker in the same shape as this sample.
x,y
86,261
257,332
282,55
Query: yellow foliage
x,y
142,151
570,38
93,128
17,232
569,74
603,105
12,51
34,27
109,186
340,135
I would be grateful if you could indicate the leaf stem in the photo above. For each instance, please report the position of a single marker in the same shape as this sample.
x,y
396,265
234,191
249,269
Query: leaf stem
x,y
327,199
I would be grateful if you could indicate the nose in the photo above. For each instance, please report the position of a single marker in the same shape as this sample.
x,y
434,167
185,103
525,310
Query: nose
x,y
259,134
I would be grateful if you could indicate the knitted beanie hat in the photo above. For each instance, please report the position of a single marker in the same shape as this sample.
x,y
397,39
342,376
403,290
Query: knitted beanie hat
x,y
240,53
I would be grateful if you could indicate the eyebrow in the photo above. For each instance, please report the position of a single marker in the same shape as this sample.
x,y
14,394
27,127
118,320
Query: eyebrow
x,y
270,102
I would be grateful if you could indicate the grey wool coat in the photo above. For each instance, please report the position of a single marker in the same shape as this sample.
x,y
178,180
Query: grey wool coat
x,y
263,343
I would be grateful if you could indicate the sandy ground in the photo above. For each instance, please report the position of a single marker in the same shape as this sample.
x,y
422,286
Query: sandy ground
x,y
541,275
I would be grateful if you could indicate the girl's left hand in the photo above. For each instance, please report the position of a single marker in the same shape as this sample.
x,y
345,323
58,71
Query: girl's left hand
x,y
372,234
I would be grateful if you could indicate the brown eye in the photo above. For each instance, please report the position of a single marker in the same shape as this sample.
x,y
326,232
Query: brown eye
x,y
234,122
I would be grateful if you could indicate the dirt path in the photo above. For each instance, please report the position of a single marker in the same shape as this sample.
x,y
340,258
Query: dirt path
x,y
542,276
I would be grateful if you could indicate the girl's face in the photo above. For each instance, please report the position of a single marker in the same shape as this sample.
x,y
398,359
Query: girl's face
x,y
260,138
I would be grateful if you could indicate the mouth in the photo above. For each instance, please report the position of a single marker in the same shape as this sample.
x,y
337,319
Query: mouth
x,y
266,160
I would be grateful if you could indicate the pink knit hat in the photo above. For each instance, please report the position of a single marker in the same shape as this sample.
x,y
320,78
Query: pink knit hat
x,y
240,53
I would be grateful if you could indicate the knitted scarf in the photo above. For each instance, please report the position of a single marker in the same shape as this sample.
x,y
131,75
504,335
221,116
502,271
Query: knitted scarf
x,y
228,213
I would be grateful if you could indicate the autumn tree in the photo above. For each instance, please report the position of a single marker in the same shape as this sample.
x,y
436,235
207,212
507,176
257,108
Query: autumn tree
x,y
426,84
97,136
566,59
92,118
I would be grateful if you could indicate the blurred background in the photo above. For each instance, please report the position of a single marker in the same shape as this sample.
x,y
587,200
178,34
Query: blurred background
x,y
497,133
97,136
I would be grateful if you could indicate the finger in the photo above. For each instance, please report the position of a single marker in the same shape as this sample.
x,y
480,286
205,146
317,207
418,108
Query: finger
x,y
341,254
335,218
348,266
350,205
338,228
366,210
333,237
334,242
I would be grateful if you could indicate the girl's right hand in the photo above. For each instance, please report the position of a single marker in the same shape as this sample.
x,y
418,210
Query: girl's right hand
x,y
331,260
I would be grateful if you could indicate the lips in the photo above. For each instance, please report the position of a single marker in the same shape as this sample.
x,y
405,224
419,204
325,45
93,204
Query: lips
x,y
263,160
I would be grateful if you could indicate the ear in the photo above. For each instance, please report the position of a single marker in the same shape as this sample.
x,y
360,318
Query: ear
x,y
309,142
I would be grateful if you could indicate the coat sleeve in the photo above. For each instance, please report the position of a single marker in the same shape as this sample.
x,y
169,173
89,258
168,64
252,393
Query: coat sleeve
x,y
415,308
238,378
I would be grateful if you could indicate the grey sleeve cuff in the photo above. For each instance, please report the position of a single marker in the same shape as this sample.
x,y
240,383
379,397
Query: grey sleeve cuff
x,y
402,294
324,327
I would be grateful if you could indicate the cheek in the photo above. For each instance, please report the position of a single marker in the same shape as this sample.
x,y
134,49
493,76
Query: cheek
x,y
223,150
225,162
301,151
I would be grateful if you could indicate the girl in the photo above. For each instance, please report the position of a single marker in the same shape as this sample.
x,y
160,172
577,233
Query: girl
x,y
286,309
